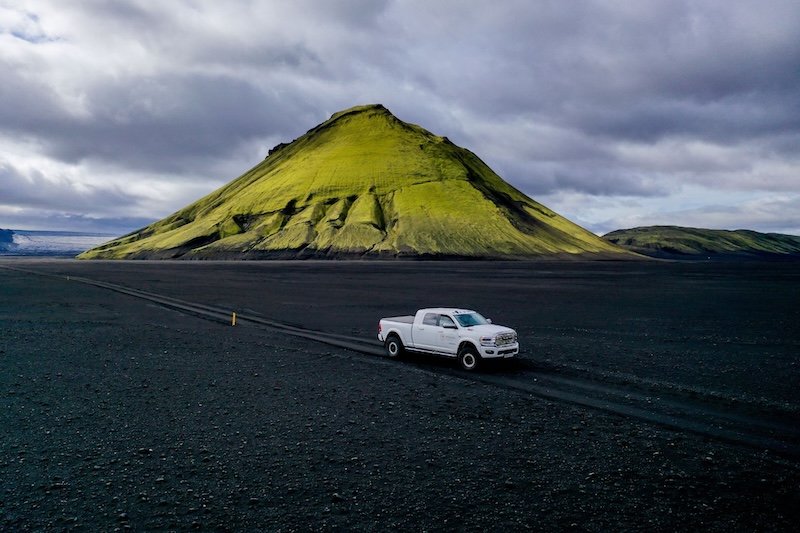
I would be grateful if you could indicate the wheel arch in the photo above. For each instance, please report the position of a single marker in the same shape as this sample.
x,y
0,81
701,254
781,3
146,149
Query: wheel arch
x,y
468,343
396,333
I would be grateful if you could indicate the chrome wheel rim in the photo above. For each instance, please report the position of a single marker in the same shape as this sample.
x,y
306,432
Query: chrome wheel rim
x,y
468,360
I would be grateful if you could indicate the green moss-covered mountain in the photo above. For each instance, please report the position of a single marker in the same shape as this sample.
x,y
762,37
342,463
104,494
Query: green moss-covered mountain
x,y
673,242
363,184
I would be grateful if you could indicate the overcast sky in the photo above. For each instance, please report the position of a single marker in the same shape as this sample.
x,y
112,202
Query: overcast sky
x,y
616,113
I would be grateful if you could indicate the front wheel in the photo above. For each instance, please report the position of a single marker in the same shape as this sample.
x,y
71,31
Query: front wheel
x,y
468,358
394,347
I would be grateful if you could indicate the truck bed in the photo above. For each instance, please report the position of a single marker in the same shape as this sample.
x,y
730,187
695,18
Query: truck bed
x,y
408,319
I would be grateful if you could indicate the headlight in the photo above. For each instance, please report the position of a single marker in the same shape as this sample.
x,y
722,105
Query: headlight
x,y
488,341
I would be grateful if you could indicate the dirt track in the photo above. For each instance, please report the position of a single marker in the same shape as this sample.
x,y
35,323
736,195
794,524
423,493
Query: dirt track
x,y
119,413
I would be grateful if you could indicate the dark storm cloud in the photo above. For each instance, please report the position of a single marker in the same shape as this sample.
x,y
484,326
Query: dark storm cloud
x,y
26,107
32,190
171,124
168,123
621,58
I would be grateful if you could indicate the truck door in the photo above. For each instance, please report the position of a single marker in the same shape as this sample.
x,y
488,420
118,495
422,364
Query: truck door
x,y
427,334
448,335
437,333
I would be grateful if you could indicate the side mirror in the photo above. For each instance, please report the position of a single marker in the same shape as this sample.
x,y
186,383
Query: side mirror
x,y
449,326
489,320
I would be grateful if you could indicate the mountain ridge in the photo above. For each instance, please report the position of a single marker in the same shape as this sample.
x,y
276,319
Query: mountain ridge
x,y
678,242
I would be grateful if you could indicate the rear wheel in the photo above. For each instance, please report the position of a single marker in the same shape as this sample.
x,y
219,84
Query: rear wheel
x,y
394,346
468,358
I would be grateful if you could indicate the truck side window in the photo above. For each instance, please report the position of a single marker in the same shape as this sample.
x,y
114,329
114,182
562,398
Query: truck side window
x,y
447,322
431,319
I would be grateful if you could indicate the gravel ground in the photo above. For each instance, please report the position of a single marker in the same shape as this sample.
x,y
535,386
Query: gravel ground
x,y
119,414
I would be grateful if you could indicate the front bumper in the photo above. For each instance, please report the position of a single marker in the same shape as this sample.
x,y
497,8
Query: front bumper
x,y
500,352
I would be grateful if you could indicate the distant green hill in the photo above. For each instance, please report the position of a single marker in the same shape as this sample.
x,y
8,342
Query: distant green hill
x,y
363,184
673,242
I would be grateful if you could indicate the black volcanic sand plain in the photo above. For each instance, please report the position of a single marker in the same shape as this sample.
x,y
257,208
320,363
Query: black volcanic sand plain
x,y
120,414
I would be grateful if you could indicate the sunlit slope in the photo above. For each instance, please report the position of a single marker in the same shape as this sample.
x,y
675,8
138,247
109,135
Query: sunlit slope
x,y
697,243
362,184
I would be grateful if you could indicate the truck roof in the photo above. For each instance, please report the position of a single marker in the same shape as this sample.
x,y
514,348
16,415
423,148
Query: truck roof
x,y
447,310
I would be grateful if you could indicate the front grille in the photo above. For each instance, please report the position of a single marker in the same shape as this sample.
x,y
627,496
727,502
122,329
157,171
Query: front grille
x,y
504,339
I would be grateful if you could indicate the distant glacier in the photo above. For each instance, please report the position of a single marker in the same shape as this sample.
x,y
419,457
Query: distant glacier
x,y
52,243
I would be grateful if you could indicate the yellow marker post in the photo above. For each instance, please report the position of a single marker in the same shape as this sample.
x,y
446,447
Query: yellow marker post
x,y
233,320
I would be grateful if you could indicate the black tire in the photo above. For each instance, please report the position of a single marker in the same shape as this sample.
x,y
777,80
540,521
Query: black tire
x,y
468,358
394,347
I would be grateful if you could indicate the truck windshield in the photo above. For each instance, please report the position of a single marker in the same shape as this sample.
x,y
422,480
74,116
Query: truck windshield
x,y
471,319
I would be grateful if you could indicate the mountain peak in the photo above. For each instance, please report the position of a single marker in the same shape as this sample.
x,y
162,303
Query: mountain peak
x,y
368,109
363,184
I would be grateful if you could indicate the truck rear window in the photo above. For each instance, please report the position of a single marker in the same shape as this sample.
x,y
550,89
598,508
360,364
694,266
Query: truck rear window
x,y
431,319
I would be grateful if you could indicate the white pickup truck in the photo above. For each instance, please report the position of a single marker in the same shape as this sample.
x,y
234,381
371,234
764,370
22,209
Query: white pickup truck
x,y
450,332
